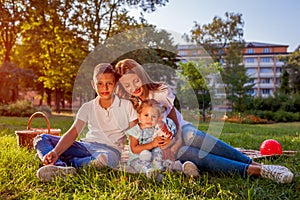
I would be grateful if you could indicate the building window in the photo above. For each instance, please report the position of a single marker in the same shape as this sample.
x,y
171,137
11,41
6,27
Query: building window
x,y
265,80
278,69
265,60
266,50
251,71
265,91
250,51
182,53
249,60
266,70
195,53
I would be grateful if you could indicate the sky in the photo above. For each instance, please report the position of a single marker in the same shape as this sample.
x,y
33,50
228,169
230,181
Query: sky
x,y
268,21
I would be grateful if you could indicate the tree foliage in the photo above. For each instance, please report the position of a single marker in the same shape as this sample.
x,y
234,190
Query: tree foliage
x,y
12,16
292,65
197,81
152,48
223,39
217,35
238,83
53,37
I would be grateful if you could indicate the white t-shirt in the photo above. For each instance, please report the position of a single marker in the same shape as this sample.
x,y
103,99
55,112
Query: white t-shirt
x,y
107,126
166,97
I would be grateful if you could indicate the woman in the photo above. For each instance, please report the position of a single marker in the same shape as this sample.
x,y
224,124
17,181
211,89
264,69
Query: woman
x,y
206,151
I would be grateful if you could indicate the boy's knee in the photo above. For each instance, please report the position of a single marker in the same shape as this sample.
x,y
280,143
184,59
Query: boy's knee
x,y
37,139
145,155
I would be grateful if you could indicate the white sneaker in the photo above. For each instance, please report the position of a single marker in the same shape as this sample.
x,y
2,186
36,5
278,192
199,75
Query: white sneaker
x,y
100,161
277,173
190,169
46,173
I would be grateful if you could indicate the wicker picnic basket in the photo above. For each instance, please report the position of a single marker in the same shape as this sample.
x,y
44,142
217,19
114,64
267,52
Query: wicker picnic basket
x,y
25,137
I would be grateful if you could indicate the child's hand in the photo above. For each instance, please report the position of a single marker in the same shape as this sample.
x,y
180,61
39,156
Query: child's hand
x,y
156,141
50,158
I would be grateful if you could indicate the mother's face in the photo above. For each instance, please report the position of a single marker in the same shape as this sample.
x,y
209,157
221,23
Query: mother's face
x,y
132,84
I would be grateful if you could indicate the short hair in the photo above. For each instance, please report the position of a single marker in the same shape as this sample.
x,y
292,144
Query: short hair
x,y
103,68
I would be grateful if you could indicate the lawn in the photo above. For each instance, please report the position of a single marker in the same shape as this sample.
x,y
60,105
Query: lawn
x,y
18,167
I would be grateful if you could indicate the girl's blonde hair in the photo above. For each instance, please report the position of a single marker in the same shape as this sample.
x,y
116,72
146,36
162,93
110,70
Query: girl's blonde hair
x,y
151,103
130,66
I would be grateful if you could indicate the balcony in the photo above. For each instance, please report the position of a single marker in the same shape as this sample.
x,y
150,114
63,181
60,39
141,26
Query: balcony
x,y
266,64
267,75
266,85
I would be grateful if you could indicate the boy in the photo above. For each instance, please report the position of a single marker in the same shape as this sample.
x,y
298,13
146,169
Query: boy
x,y
107,117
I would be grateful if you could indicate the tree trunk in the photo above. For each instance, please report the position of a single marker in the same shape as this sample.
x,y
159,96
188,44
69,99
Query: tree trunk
x,y
57,99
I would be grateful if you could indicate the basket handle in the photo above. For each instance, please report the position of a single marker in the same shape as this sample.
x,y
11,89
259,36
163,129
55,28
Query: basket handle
x,y
34,115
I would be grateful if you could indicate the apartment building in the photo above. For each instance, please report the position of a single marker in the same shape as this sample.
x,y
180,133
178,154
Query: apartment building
x,y
261,61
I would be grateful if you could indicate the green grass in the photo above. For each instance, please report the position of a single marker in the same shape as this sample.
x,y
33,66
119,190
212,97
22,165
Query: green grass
x,y
18,167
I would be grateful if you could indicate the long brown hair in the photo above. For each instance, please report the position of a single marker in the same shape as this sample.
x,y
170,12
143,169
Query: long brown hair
x,y
130,66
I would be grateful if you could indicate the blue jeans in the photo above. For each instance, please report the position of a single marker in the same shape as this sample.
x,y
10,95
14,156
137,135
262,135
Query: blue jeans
x,y
210,153
78,154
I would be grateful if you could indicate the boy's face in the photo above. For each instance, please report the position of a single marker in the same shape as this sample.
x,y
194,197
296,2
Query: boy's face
x,y
148,118
104,85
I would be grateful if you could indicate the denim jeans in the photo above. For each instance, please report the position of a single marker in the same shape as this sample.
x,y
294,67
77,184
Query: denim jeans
x,y
210,153
78,154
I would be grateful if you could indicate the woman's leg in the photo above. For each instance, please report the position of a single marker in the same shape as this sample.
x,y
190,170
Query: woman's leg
x,y
45,143
212,162
209,144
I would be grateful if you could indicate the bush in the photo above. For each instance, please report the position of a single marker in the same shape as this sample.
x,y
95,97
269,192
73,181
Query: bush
x,y
283,116
278,116
246,119
20,108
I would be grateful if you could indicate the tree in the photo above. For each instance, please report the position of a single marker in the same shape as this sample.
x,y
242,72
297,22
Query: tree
x,y
223,39
12,16
238,83
12,79
292,65
57,35
150,47
216,36
198,80
99,20
52,50
285,85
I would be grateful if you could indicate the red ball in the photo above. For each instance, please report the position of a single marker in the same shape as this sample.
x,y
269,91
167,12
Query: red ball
x,y
270,147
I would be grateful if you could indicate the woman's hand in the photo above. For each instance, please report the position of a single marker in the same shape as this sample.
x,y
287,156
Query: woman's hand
x,y
50,158
165,142
176,146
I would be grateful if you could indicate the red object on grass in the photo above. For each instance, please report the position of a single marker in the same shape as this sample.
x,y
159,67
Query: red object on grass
x,y
270,147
